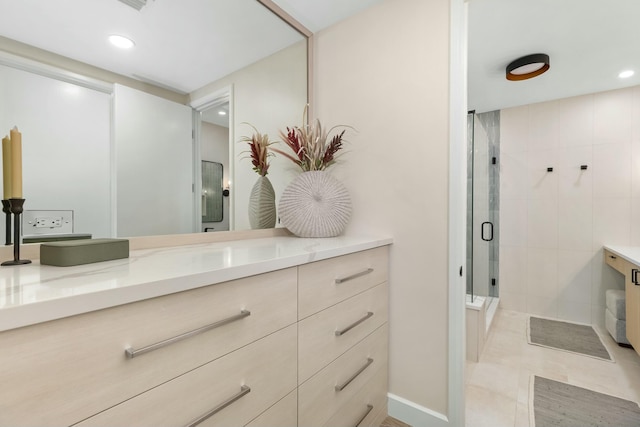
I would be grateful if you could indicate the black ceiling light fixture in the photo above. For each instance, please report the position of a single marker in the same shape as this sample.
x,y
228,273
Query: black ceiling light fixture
x,y
528,67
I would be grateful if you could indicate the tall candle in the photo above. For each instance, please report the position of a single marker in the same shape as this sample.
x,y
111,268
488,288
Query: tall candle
x,y
6,168
16,163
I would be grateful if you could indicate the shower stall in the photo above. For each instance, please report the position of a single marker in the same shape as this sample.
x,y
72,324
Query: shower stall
x,y
483,188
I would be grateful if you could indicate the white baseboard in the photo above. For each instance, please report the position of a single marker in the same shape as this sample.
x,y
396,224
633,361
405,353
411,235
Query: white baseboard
x,y
413,414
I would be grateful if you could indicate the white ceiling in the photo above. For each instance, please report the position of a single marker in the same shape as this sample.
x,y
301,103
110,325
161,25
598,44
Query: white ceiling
x,y
213,116
589,42
182,45
319,14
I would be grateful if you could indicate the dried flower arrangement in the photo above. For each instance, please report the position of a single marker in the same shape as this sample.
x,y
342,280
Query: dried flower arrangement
x,y
313,149
259,151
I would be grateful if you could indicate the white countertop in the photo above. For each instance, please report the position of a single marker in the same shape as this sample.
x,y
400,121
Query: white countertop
x,y
630,253
35,293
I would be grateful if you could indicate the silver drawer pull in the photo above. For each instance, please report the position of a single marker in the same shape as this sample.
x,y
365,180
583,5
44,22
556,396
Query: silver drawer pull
x,y
354,376
354,276
369,409
353,325
131,353
243,390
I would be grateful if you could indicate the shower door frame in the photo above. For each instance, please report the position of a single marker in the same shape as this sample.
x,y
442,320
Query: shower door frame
x,y
483,206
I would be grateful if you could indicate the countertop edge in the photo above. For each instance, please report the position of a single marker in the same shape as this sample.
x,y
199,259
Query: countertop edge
x,y
53,309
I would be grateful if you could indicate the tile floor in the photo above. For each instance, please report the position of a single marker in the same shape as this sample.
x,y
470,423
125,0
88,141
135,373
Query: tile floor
x,y
497,387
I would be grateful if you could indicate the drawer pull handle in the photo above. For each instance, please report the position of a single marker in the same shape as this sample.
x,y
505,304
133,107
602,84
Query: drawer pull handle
x,y
243,391
354,276
131,353
369,409
613,257
354,376
354,324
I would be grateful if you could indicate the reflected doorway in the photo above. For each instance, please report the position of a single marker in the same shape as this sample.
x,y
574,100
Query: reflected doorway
x,y
213,139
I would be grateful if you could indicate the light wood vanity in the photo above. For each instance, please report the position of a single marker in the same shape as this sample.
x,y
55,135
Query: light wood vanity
x,y
290,332
626,260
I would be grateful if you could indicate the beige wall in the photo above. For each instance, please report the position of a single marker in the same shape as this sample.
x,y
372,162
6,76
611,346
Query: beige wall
x,y
385,72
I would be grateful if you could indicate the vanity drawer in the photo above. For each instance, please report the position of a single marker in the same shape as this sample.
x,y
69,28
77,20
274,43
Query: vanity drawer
x,y
615,261
368,407
328,334
267,367
282,414
76,367
319,397
325,283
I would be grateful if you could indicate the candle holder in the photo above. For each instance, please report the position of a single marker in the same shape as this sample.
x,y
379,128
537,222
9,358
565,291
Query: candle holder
x,y
6,208
16,209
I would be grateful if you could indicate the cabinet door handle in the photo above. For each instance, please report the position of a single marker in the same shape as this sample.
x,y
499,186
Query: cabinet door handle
x,y
634,276
354,276
354,324
131,353
369,409
482,233
243,391
354,376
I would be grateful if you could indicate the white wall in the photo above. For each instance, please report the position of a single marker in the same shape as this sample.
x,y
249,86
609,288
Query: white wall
x,y
64,128
271,95
385,72
553,225
154,164
215,148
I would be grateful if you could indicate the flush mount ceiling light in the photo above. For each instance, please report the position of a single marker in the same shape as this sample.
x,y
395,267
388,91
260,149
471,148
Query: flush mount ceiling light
x,y
222,113
121,41
528,67
626,74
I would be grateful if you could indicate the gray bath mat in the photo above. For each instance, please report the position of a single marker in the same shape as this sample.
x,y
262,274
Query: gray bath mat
x,y
566,336
559,404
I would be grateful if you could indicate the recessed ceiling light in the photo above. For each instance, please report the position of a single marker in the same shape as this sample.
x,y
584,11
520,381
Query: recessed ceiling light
x,y
222,113
121,41
528,67
626,74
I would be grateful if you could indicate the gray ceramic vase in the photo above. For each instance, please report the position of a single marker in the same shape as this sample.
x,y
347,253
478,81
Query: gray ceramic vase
x,y
262,204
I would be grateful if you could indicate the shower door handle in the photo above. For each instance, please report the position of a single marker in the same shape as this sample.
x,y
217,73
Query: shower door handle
x,y
482,231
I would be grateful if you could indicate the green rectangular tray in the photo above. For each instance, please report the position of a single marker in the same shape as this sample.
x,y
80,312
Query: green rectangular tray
x,y
78,252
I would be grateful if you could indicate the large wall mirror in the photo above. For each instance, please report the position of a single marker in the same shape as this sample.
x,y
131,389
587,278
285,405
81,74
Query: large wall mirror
x,y
119,136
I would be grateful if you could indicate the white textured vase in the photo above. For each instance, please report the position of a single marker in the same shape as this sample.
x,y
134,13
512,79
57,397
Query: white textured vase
x,y
262,204
315,204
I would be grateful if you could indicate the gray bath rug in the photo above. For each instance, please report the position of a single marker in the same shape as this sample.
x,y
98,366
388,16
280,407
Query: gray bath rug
x,y
567,336
559,404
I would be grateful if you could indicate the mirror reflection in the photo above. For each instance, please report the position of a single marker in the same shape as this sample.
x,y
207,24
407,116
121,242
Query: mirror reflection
x,y
125,154
214,148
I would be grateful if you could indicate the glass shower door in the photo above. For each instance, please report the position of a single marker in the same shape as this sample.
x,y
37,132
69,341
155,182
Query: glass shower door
x,y
483,202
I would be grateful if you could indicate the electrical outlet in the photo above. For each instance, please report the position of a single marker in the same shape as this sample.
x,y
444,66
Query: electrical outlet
x,y
44,222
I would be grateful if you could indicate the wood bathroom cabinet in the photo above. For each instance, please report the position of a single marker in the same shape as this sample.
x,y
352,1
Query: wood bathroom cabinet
x,y
303,345
624,260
